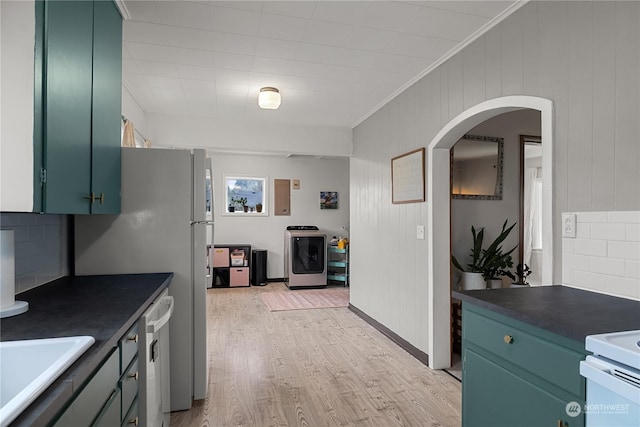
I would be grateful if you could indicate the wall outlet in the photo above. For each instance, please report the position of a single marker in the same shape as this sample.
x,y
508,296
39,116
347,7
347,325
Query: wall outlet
x,y
569,225
420,232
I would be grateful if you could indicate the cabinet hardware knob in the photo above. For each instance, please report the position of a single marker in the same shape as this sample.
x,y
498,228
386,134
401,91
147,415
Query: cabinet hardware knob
x,y
561,423
134,421
508,339
101,199
92,197
134,376
133,338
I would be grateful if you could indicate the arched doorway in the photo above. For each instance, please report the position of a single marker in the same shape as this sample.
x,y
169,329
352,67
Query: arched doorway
x,y
439,241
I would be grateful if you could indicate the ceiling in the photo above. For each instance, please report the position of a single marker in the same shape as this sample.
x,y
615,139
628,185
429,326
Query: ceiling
x,y
334,62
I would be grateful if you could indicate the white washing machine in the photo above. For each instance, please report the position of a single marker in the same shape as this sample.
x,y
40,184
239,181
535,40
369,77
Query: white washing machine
x,y
305,263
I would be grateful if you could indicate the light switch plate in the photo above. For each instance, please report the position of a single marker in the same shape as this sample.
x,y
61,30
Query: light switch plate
x,y
420,232
569,225
296,184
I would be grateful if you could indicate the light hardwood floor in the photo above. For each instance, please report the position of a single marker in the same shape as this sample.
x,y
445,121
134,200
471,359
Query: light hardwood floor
x,y
319,367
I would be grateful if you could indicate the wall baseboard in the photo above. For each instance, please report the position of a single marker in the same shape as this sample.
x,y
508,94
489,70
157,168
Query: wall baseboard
x,y
404,344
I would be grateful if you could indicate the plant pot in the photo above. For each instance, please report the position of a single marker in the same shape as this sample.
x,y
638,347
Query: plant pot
x,y
472,281
246,208
232,208
494,284
258,208
518,285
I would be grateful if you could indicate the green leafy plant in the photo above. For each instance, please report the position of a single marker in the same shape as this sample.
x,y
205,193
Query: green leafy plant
x,y
240,201
492,262
522,272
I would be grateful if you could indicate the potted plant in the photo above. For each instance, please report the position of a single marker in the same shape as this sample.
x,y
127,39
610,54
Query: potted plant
x,y
520,278
486,264
241,202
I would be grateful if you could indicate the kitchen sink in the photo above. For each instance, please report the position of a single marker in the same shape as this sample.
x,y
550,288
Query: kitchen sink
x,y
28,367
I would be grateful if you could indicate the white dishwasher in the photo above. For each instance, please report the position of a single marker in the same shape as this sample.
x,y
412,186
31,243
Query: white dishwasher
x,y
155,404
613,379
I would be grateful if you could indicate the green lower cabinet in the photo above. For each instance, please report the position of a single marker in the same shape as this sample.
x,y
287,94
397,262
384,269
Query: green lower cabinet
x,y
494,396
110,415
96,394
515,374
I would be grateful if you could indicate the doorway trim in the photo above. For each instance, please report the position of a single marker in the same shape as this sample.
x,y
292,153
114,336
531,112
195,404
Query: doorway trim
x,y
439,210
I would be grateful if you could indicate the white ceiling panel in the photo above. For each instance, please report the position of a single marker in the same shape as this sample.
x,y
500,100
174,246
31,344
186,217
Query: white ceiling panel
x,y
185,14
333,61
283,27
238,21
444,24
344,12
299,9
389,15
159,53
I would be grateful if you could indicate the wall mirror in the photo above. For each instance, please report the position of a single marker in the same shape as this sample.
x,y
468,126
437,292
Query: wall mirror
x,y
476,168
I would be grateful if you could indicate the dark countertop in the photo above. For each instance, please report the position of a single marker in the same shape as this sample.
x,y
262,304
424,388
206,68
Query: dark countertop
x,y
104,307
565,311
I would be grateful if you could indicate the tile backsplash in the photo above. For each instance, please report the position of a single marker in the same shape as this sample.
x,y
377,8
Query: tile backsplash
x,y
605,254
41,247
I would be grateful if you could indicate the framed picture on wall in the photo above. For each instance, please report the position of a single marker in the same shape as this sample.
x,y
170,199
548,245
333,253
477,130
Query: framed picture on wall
x,y
328,200
407,177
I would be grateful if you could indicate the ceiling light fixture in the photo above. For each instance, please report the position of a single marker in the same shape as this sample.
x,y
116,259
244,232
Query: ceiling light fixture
x,y
269,98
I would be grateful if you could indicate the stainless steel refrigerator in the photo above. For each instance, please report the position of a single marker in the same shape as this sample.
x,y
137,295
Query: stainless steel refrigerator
x,y
166,225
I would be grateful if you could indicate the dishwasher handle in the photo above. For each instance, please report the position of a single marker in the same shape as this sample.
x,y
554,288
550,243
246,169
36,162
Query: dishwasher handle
x,y
156,325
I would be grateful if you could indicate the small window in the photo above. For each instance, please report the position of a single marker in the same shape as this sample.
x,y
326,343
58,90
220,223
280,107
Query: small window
x,y
246,196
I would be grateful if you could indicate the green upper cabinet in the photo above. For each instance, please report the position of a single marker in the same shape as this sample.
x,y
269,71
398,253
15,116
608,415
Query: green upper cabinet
x,y
81,108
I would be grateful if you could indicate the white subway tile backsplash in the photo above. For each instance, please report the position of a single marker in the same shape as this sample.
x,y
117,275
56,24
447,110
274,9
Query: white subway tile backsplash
x,y
568,246
610,266
605,256
632,269
600,231
625,250
633,232
592,217
577,262
590,247
40,247
604,283
629,217
583,230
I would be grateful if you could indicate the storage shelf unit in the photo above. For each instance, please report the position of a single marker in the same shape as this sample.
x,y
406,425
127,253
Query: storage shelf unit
x,y
231,266
338,264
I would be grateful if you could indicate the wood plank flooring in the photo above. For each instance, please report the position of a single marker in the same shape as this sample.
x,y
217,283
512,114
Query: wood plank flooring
x,y
319,367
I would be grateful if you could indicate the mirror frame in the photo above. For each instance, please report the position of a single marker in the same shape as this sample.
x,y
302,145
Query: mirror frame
x,y
524,140
499,172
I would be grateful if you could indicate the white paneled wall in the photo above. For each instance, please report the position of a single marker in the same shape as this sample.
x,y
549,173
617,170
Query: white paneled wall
x,y
41,247
605,255
584,57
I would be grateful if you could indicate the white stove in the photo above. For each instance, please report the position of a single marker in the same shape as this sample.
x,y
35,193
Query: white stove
x,y
613,379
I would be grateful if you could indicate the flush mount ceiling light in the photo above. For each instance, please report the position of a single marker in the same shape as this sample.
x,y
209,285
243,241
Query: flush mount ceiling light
x,y
269,98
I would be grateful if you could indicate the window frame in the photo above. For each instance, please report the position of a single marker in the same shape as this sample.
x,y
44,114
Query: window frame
x,y
225,195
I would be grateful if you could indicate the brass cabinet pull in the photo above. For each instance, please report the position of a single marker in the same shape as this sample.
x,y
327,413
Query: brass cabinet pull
x,y
508,339
134,421
134,376
561,423
133,338
92,197
101,199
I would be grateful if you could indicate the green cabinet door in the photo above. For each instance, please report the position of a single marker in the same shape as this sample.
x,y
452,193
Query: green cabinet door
x,y
106,107
494,396
81,85
68,51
